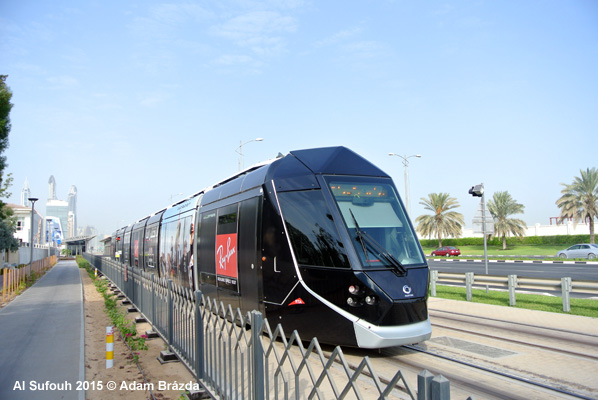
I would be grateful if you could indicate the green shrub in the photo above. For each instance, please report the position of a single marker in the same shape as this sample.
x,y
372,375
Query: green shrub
x,y
556,240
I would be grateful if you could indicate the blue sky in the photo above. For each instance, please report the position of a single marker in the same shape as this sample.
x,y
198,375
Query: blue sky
x,y
136,101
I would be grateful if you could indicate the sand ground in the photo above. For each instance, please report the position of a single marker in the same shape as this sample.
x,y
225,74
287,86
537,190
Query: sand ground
x,y
162,379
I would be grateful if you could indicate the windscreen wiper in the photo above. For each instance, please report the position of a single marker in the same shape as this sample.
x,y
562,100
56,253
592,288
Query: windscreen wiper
x,y
366,240
360,236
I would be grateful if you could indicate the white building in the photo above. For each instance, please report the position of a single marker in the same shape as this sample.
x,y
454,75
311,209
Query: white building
x,y
566,228
23,216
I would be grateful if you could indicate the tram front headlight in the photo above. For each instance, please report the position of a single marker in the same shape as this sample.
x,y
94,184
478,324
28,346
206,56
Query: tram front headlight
x,y
354,289
370,300
352,302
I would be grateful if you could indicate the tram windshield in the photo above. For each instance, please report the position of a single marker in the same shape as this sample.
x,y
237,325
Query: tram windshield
x,y
376,222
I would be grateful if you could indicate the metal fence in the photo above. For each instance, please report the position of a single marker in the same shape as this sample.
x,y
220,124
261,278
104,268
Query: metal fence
x,y
234,361
23,255
512,283
11,279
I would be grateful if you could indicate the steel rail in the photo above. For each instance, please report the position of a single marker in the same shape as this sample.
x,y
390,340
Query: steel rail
x,y
485,318
502,374
528,344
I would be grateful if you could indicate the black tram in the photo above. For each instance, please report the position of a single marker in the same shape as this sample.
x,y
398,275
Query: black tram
x,y
317,240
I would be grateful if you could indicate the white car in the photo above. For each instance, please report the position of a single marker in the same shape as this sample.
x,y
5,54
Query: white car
x,y
583,250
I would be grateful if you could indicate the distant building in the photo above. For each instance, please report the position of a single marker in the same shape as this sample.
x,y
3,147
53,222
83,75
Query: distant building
x,y
25,194
51,188
87,231
94,245
72,212
53,229
23,216
58,209
64,211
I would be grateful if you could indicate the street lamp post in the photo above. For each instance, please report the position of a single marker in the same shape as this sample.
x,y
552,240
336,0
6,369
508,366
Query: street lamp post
x,y
478,191
32,200
240,150
406,164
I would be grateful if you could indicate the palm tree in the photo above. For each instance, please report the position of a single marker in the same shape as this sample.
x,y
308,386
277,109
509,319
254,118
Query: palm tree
x,y
580,199
501,206
443,221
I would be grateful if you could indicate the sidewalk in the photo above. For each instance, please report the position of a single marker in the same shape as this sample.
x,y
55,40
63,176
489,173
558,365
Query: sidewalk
x,y
41,338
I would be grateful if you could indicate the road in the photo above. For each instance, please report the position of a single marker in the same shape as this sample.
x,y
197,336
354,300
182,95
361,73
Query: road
x,y
41,338
528,270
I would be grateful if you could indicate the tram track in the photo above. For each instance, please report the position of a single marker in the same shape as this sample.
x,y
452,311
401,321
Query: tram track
x,y
539,346
572,337
476,381
539,329
535,364
498,391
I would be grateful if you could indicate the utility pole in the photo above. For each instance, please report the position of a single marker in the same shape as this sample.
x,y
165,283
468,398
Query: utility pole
x,y
406,164
32,200
478,191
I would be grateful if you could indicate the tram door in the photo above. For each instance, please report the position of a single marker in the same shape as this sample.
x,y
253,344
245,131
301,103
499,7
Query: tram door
x,y
249,254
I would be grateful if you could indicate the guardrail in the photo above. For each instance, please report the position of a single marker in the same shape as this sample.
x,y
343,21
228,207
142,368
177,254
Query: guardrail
x,y
239,356
512,283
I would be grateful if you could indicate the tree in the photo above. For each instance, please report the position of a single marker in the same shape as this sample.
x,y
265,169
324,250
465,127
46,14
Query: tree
x,y
501,206
5,212
7,224
580,199
443,221
7,239
5,107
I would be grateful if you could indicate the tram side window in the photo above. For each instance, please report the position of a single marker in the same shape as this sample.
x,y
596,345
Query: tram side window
x,y
167,249
136,246
151,246
206,245
174,250
313,234
127,247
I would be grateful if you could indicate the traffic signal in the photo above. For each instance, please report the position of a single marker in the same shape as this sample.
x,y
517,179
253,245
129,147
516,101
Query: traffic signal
x,y
477,190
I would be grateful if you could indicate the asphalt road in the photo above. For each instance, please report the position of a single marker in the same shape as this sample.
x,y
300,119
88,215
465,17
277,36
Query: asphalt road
x,y
528,270
41,338
523,270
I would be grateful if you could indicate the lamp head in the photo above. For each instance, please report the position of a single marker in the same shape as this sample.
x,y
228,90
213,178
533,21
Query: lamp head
x,y
477,190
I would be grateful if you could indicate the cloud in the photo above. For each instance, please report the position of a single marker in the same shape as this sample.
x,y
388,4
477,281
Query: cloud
x,y
224,34
234,59
62,81
366,49
262,32
166,21
338,37
154,99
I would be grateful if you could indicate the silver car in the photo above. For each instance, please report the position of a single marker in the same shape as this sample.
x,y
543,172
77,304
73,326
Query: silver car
x,y
583,250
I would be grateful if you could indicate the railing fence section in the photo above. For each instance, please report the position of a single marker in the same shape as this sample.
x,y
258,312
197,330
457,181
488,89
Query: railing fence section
x,y
239,356
512,283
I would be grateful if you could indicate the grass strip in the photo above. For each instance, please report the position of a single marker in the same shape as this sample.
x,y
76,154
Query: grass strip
x,y
127,328
582,307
